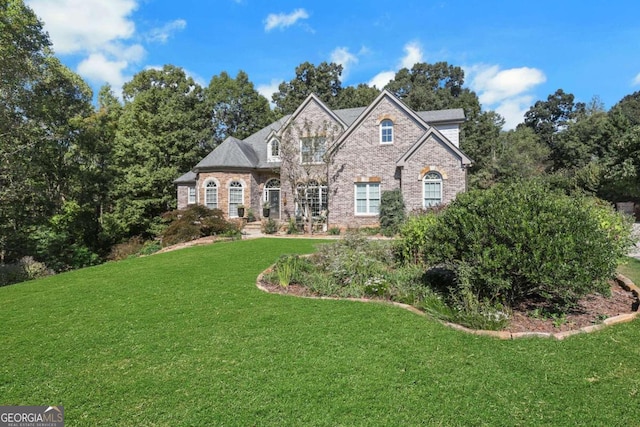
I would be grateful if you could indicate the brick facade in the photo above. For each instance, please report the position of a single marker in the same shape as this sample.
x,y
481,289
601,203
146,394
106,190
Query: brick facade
x,y
355,156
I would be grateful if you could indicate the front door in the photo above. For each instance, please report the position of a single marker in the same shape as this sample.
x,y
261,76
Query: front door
x,y
273,196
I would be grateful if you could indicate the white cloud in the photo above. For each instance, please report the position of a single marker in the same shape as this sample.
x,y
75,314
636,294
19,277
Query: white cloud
x,y
342,56
381,79
102,33
85,25
267,90
495,85
413,55
282,20
505,91
98,68
513,110
636,80
163,33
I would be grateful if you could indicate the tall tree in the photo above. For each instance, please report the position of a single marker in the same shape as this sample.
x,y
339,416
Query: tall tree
x,y
323,80
548,118
358,96
40,102
629,107
163,131
432,87
237,109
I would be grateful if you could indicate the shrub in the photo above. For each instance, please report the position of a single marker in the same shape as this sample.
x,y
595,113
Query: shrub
x,y
131,247
150,247
25,269
292,227
287,269
334,231
194,222
523,240
251,217
354,260
270,226
391,212
414,234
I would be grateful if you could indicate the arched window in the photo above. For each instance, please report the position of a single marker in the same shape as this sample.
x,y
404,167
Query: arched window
x,y
273,152
211,195
386,132
236,197
432,189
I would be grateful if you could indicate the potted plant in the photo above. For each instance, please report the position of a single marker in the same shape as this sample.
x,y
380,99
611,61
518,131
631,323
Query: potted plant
x,y
241,211
266,209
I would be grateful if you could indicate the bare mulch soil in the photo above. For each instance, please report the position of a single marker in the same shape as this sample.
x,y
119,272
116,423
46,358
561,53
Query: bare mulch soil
x,y
591,310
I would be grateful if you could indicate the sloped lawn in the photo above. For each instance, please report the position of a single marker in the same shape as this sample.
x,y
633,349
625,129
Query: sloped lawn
x,y
185,338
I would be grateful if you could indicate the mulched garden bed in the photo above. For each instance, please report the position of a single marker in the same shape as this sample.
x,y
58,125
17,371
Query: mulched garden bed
x,y
591,310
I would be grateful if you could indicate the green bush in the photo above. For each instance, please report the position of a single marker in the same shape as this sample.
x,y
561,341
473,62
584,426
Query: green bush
x,y
523,240
414,234
124,250
334,231
391,212
25,269
270,226
194,222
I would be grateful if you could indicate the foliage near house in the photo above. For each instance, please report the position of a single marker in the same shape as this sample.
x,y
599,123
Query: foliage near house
x,y
391,212
525,240
194,222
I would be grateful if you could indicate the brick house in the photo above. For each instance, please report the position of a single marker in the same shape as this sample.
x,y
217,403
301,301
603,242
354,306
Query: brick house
x,y
334,164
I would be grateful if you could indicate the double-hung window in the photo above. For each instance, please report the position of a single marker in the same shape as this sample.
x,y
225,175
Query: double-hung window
x,y
191,196
312,149
273,152
236,197
211,195
367,198
432,189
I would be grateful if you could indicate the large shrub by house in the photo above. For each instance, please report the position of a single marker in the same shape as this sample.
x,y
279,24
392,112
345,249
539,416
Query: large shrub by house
x,y
525,241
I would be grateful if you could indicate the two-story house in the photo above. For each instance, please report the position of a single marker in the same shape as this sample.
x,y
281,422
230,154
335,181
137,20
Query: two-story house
x,y
334,164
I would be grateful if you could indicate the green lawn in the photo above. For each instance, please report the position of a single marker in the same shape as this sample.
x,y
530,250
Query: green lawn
x,y
185,338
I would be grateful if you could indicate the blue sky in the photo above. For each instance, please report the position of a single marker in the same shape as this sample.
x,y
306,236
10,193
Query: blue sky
x,y
513,53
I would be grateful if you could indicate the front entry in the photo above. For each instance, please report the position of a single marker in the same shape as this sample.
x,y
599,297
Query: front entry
x,y
272,195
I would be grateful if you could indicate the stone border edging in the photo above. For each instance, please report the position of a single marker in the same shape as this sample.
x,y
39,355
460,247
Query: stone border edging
x,y
623,281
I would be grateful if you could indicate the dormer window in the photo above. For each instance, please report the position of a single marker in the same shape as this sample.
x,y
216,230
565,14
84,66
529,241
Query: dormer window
x,y
273,151
386,132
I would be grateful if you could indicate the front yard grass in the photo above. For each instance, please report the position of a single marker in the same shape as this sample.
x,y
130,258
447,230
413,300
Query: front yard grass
x,y
186,338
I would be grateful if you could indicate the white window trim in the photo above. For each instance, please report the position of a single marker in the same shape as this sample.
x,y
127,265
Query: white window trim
x,y
270,156
392,132
229,204
439,181
367,185
204,186
302,162
192,198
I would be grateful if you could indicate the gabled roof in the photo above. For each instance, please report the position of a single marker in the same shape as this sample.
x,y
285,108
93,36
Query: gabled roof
x,y
385,94
313,98
466,161
251,153
231,153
